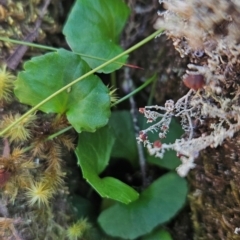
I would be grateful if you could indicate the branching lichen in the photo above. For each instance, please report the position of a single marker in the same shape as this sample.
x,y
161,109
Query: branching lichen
x,y
209,36
191,108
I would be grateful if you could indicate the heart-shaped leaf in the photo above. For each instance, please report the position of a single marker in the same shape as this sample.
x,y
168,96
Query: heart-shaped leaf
x,y
86,104
93,28
93,153
156,205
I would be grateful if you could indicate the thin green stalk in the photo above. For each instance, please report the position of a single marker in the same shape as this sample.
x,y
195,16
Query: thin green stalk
x,y
28,44
113,80
153,88
58,133
81,78
35,45
135,91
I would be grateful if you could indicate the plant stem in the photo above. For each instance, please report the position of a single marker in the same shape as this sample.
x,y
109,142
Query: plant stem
x,y
135,91
50,137
44,47
113,80
81,78
153,88
29,44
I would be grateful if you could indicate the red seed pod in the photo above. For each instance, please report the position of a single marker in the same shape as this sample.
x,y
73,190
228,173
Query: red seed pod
x,y
179,155
143,136
164,128
157,144
194,81
150,120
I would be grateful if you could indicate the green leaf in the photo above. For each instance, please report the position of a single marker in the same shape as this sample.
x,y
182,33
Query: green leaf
x,y
93,153
158,235
93,28
86,104
156,205
125,145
